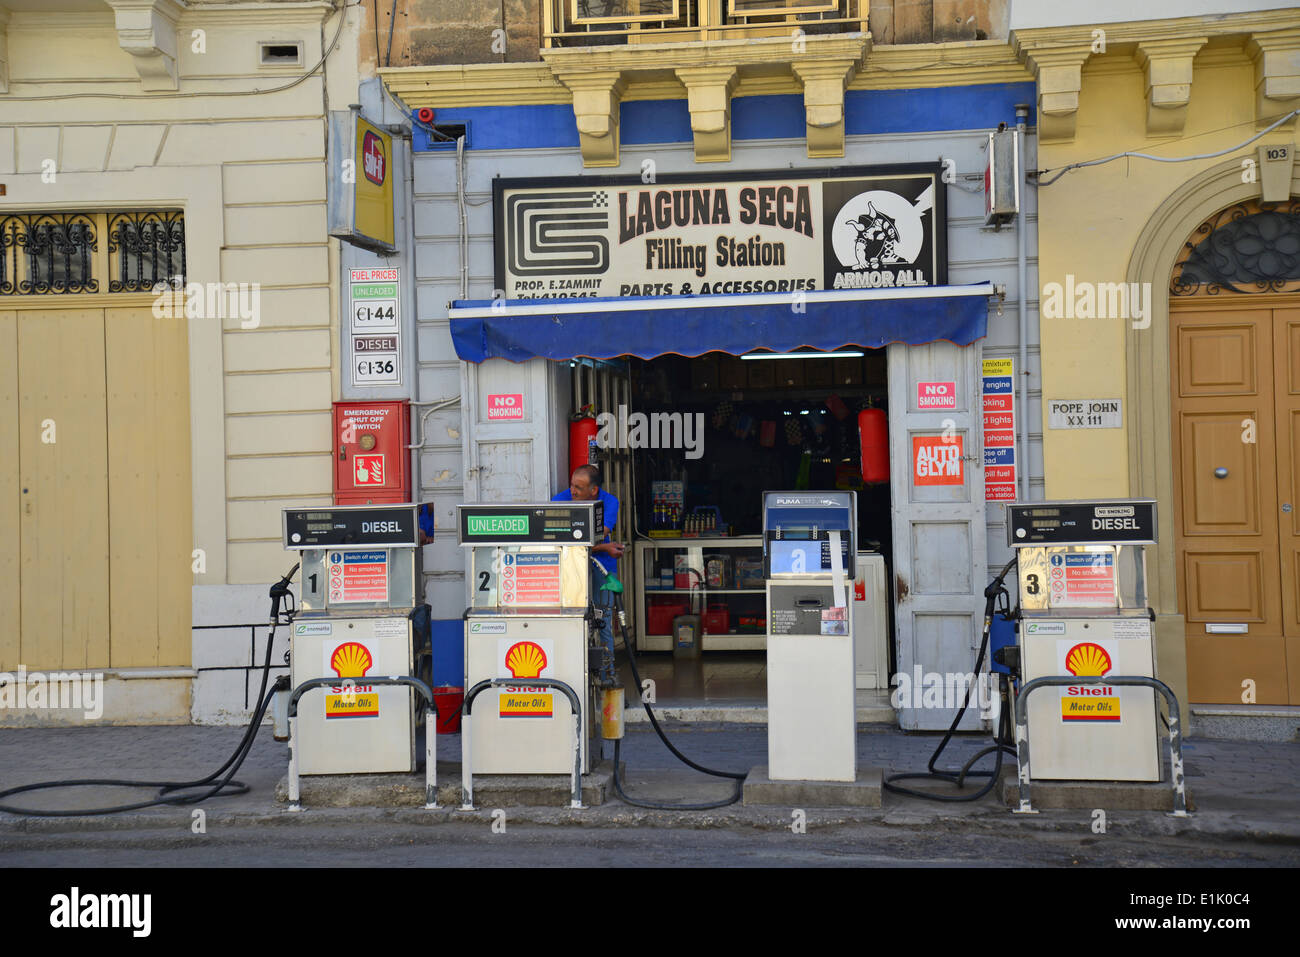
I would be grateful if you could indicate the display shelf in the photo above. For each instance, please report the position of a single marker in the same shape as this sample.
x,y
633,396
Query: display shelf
x,y
720,559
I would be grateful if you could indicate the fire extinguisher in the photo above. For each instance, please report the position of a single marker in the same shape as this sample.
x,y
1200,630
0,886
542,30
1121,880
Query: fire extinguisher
x,y
873,432
582,438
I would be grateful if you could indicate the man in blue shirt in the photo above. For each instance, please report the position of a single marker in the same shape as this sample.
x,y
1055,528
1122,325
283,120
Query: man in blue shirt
x,y
584,486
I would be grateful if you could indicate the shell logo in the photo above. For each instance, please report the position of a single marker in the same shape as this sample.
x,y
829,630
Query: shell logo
x,y
526,660
1087,659
351,660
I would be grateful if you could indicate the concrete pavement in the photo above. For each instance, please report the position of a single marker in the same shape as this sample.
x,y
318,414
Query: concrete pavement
x,y
1242,791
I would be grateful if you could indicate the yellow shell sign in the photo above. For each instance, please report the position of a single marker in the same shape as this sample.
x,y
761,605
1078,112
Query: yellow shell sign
x,y
1090,702
526,659
348,700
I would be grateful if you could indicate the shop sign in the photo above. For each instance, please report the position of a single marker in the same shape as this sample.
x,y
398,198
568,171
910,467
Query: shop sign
x,y
359,198
937,460
776,231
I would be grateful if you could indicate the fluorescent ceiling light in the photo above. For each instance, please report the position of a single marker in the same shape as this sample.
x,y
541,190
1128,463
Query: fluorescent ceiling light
x,y
803,355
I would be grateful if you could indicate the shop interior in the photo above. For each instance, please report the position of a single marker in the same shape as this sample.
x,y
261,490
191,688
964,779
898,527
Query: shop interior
x,y
735,428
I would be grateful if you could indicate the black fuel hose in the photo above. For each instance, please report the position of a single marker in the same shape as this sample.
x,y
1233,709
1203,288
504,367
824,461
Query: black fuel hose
x,y
739,778
999,746
227,787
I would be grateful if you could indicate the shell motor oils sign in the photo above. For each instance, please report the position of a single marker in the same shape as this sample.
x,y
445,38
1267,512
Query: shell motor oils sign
x,y
350,661
1087,659
525,659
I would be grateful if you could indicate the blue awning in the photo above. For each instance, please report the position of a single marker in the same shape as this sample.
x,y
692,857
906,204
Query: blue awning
x,y
649,326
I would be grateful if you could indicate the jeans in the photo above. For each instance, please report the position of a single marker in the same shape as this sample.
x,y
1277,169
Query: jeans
x,y
604,600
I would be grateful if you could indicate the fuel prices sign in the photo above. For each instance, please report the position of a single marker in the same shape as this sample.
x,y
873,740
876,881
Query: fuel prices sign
x,y
374,328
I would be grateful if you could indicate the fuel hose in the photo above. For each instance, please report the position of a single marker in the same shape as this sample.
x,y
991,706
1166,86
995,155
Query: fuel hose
x,y
999,747
226,787
739,778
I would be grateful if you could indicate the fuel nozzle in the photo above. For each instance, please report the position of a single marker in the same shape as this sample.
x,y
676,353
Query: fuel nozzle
x,y
279,591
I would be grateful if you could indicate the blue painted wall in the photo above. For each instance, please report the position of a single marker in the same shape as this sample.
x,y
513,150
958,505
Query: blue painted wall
x,y
552,126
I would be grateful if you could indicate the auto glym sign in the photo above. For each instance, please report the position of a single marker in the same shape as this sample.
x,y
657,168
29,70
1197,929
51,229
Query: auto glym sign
x,y
751,232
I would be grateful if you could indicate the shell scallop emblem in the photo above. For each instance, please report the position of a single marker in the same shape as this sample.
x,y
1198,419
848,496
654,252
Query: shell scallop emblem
x,y
351,660
526,660
1087,659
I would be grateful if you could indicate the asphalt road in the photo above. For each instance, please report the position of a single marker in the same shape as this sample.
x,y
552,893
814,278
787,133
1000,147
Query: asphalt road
x,y
458,844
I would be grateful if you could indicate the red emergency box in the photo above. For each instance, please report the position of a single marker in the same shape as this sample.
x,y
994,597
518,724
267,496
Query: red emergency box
x,y
371,458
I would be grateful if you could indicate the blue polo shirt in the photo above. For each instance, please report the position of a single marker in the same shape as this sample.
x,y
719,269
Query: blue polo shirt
x,y
608,562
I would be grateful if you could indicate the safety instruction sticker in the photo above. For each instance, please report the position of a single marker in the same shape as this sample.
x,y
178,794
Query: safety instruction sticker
x,y
936,395
1088,659
530,579
1082,580
358,576
351,697
999,430
525,659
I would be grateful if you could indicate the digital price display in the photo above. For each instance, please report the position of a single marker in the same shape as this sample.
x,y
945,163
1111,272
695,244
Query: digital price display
x,y
556,523
386,525
1083,523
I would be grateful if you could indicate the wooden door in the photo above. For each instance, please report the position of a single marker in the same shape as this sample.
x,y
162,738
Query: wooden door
x,y
1236,406
95,570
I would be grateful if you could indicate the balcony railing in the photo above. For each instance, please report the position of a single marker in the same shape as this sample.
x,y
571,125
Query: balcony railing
x,y
570,23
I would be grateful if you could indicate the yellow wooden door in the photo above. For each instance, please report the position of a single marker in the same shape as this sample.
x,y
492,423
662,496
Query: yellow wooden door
x,y
1286,357
95,401
1234,539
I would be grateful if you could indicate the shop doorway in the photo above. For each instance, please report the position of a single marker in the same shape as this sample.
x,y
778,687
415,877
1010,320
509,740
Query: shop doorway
x,y
1235,368
689,447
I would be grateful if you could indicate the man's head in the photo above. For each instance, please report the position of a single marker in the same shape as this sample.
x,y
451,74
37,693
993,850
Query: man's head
x,y
584,484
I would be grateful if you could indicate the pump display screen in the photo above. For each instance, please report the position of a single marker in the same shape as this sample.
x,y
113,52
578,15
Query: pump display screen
x,y
1082,523
556,523
388,525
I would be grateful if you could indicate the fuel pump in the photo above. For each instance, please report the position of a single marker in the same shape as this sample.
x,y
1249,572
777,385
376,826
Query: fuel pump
x,y
360,586
1084,618
528,638
809,544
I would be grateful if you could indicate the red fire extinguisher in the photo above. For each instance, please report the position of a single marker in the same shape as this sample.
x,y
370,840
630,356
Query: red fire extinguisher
x,y
582,438
873,432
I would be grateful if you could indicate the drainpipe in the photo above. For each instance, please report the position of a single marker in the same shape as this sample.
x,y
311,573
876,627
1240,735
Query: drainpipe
x,y
1022,284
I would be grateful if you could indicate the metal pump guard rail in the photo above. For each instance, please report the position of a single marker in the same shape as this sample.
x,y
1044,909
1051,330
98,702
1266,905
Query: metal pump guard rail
x,y
467,774
430,732
1060,681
